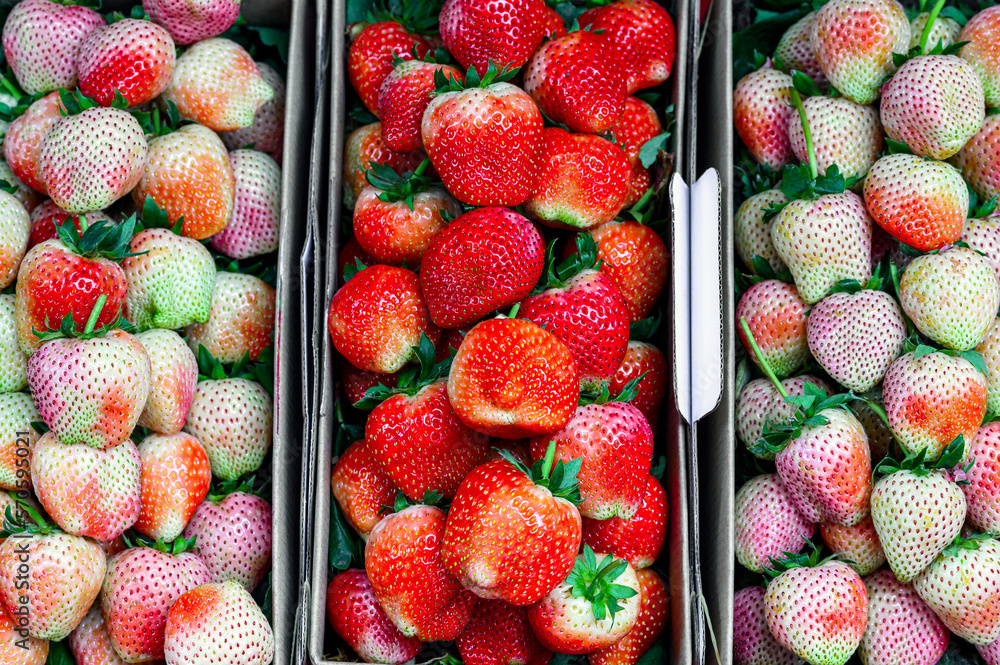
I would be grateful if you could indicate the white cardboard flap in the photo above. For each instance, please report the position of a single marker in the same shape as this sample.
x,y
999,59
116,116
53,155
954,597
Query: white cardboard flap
x,y
706,295
680,223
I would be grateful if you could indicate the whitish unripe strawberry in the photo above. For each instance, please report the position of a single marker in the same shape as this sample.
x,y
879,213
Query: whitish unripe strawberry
x,y
174,375
979,159
232,420
762,109
989,349
983,235
760,402
253,225
241,321
794,51
753,643
15,228
13,362
982,51
843,133
17,438
901,629
767,523
857,545
982,493
944,31
267,132
191,21
776,315
752,230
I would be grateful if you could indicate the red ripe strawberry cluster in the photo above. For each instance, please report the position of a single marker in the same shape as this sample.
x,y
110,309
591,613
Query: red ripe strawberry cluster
x,y
873,250
484,320
109,438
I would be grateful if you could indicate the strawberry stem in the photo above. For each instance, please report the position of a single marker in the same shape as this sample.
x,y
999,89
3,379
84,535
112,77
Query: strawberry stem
x,y
422,168
938,6
797,100
95,313
760,358
550,455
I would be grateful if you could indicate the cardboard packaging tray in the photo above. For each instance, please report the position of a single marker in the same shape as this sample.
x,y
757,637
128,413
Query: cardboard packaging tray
x,y
321,643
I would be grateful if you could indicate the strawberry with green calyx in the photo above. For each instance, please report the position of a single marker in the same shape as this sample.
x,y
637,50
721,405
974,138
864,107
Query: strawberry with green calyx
x,y
397,217
822,456
377,45
931,397
824,233
759,404
776,315
645,360
403,97
494,163
365,147
816,609
517,555
68,275
942,26
917,509
596,606
654,611
61,375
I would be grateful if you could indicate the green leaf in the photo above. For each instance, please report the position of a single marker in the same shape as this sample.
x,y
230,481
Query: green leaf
x,y
977,361
275,38
897,147
59,654
805,85
650,150
763,35
342,540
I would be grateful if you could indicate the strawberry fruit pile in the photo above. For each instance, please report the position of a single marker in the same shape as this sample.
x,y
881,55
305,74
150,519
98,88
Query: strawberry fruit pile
x,y
494,478
138,233
871,490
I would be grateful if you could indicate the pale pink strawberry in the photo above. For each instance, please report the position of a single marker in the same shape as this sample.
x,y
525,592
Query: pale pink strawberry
x,y
253,225
234,538
982,52
28,197
962,586
267,132
794,51
753,643
818,613
917,513
15,649
760,403
218,623
944,30
977,159
79,409
133,57
89,641
17,438
854,40
41,40
843,133
15,228
919,202
241,321
188,174
856,336
89,161
175,479
767,523
857,545
824,241
87,491
13,361
933,104
170,282
990,652
983,235
932,399
174,374
762,110
62,581
217,84
139,588
752,230
952,296
231,418
989,348
22,143
191,21
982,493
902,629
776,315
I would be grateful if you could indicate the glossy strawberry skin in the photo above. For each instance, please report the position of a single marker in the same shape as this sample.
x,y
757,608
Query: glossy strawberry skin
x,y
394,233
370,57
639,539
639,123
361,488
636,259
402,99
642,33
364,147
22,143
499,634
654,612
133,57
46,217
176,479
643,359
506,538
504,33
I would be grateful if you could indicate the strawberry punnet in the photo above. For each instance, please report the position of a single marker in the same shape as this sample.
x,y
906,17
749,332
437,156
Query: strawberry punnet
x,y
513,532
484,163
354,612
767,523
191,21
642,33
403,97
132,57
374,51
498,634
899,622
505,33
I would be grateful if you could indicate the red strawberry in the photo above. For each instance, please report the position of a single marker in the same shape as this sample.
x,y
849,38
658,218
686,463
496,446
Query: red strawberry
x,y
354,612
404,560
512,379
357,382
643,359
135,58
976,159
643,34
616,446
41,41
174,375
636,259
654,611
639,123
403,97
587,313
579,80
365,147
583,181
595,607
768,524
753,643
362,489
351,254
241,321
373,53
638,539
191,21
140,587
253,225
504,33
499,634
175,479
233,536
552,22
267,132
378,317
858,545
901,628
762,110
511,535
421,443
485,260
213,614
776,315
484,163
981,51
22,142
46,218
